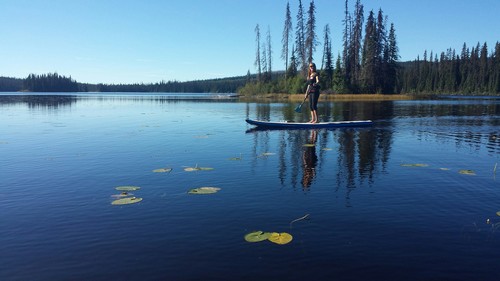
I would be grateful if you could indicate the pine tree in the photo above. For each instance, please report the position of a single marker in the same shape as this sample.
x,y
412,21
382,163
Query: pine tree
x,y
495,70
346,45
327,61
381,40
483,68
311,40
300,39
339,85
257,62
269,54
355,46
368,78
391,69
292,68
263,57
287,34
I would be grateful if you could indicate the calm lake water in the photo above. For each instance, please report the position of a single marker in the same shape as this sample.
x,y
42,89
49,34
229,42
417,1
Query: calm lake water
x,y
371,212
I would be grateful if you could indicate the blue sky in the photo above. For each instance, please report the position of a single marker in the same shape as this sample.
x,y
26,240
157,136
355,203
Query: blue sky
x,y
125,41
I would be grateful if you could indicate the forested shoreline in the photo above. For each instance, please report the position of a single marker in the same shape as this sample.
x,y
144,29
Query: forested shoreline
x,y
367,64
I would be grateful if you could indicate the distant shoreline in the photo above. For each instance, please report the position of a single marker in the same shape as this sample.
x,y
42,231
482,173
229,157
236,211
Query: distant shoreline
x,y
331,97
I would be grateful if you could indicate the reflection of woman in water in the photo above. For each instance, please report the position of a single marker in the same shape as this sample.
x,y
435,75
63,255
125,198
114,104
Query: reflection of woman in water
x,y
309,160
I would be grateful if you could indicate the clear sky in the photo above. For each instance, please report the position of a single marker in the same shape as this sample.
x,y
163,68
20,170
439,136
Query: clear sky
x,y
134,41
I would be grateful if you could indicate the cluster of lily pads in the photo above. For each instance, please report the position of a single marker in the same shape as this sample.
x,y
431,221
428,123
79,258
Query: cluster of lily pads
x,y
125,197
275,237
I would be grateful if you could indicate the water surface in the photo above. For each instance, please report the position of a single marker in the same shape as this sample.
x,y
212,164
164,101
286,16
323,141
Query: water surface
x,y
373,213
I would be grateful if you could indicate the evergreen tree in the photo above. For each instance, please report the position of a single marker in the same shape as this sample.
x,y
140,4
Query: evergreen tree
x,y
382,56
495,70
311,40
370,56
287,34
355,46
258,61
392,58
292,68
339,77
269,54
346,45
300,40
263,57
483,68
327,61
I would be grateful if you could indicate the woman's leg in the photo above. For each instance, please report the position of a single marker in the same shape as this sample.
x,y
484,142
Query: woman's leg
x,y
311,106
314,107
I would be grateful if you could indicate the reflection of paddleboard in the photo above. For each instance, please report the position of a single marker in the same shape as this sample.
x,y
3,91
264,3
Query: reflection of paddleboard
x,y
296,125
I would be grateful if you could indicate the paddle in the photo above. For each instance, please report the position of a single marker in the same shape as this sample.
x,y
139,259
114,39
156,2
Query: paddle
x,y
298,109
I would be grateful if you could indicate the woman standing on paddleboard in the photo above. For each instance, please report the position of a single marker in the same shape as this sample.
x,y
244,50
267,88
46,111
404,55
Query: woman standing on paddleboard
x,y
313,91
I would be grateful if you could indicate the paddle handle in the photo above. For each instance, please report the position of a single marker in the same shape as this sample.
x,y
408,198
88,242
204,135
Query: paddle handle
x,y
307,93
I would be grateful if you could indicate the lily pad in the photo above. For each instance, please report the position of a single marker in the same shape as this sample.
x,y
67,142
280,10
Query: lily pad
x,y
127,188
415,165
257,236
309,145
125,201
268,153
204,190
326,149
162,170
280,238
467,172
444,169
236,158
205,168
196,168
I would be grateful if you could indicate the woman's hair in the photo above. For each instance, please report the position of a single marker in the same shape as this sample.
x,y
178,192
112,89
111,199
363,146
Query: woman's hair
x,y
309,71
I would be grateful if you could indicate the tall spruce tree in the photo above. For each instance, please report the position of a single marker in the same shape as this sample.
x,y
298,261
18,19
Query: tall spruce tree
x,y
286,37
381,39
269,54
257,62
263,57
368,74
311,40
495,68
292,68
300,39
391,69
327,61
353,59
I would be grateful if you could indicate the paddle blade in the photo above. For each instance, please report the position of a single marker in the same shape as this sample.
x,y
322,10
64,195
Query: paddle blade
x,y
298,109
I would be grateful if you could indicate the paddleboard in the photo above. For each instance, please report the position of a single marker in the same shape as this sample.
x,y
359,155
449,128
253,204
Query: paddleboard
x,y
299,125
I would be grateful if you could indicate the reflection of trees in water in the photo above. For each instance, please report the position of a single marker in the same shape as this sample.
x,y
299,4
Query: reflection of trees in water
x,y
357,155
360,153
466,125
56,101
34,101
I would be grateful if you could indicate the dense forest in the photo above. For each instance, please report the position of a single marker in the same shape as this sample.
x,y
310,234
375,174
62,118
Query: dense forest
x,y
471,72
368,63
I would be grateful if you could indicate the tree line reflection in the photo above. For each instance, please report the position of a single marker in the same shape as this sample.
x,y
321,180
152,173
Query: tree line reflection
x,y
361,153
347,156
